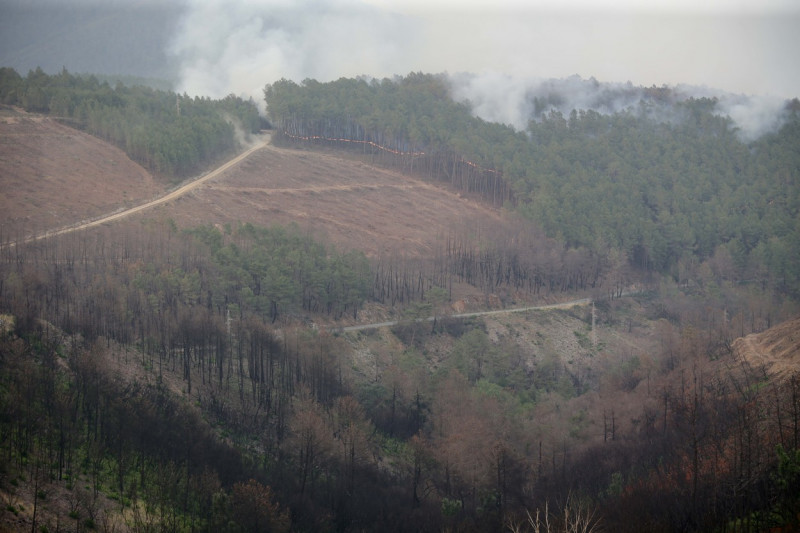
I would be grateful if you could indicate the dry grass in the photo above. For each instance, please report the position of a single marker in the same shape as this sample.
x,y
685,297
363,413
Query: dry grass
x,y
52,175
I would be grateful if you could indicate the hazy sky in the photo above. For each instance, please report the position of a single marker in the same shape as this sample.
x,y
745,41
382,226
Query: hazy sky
x,y
512,47
742,46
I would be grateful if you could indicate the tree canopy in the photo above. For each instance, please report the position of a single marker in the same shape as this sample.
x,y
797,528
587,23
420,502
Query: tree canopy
x,y
666,184
168,133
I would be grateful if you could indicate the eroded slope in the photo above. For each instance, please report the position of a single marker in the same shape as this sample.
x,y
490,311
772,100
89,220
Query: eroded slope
x,y
776,349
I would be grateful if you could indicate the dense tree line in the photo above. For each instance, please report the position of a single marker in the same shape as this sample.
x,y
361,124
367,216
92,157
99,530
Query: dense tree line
x,y
469,446
669,186
278,269
171,291
519,257
410,123
226,390
670,193
171,370
167,133
500,259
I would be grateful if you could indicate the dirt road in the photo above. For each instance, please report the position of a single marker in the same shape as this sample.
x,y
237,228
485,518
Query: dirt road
x,y
563,305
180,191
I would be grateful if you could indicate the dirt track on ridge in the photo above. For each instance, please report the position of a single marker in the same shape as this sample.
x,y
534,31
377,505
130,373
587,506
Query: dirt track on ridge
x,y
58,180
347,202
177,193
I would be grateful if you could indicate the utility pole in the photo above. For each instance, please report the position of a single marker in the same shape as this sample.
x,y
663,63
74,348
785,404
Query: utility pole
x,y
594,332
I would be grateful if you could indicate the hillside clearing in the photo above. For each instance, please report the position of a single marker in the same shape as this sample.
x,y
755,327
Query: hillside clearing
x,y
54,175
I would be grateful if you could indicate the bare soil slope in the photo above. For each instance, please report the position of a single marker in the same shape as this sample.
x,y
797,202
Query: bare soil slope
x,y
777,349
339,200
52,175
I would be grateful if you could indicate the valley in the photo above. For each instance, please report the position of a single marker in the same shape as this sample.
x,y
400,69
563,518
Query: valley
x,y
350,341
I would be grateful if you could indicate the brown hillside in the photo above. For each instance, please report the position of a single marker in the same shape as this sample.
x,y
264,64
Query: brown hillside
x,y
777,349
52,175
350,203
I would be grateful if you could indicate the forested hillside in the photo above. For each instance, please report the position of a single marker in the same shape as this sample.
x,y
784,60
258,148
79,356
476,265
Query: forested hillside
x,y
170,134
158,378
194,373
667,184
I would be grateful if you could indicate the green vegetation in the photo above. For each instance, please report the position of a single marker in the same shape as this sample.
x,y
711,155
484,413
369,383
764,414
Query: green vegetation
x,y
167,133
181,370
664,195
130,443
171,379
275,270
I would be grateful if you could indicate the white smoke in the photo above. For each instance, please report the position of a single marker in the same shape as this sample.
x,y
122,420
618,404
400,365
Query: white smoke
x,y
515,101
239,46
754,115
234,47
495,97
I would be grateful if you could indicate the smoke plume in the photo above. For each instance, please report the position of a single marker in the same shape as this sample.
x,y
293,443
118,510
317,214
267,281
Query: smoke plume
x,y
237,47
515,101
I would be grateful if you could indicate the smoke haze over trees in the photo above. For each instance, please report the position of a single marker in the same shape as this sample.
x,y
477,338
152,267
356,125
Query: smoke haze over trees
x,y
675,165
170,134
199,376
220,48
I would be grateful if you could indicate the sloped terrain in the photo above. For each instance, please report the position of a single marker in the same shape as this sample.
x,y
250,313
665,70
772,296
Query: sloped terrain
x,y
350,203
566,382
777,349
53,175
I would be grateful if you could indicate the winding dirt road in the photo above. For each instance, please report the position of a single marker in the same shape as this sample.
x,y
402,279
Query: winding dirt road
x,y
264,142
172,195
